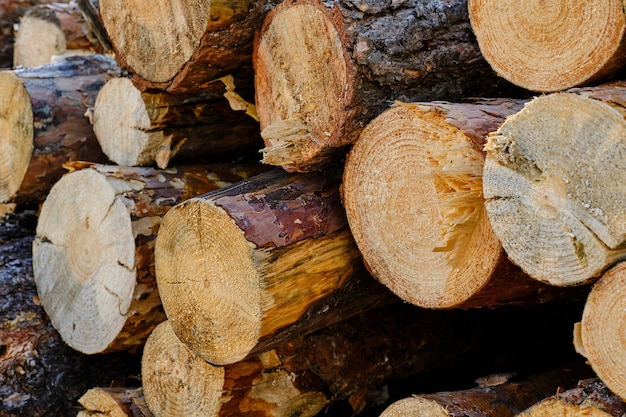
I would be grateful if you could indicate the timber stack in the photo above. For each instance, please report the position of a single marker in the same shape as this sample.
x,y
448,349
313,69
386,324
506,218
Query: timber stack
x,y
313,208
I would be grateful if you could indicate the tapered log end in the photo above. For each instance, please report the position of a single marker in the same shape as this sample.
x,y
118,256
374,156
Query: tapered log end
x,y
158,38
121,123
553,184
208,281
412,189
16,134
550,46
415,407
602,326
176,382
302,85
83,260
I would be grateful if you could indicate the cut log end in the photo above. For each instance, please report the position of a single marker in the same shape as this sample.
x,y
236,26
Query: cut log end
x,y
550,46
38,38
424,234
85,233
213,301
155,39
175,380
121,123
305,104
552,187
601,327
415,406
16,134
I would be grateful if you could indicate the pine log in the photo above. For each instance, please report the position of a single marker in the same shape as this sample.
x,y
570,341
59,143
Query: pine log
x,y
40,376
598,336
135,128
349,366
178,46
551,46
114,402
429,158
590,398
501,398
12,11
323,70
553,183
52,30
243,267
93,255
44,123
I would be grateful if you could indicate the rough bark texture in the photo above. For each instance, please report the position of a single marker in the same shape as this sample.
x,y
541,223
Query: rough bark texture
x,y
60,94
259,256
552,182
94,251
323,70
40,376
12,11
502,398
180,46
52,30
598,336
551,46
135,128
347,368
114,402
590,398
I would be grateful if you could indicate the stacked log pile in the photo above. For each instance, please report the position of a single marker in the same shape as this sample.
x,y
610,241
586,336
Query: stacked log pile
x,y
314,208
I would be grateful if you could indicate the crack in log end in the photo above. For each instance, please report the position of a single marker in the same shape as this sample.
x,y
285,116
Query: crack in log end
x,y
579,250
504,151
289,142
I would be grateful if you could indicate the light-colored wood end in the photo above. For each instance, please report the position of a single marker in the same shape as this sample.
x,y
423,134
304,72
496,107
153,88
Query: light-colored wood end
x,y
208,281
302,84
550,45
412,189
16,134
156,39
602,328
176,382
101,401
553,187
84,260
558,407
415,407
38,39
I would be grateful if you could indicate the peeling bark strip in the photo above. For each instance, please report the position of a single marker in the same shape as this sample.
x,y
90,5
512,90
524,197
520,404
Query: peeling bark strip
x,y
503,399
323,70
93,256
351,362
179,46
554,180
45,124
590,398
52,30
554,45
241,268
599,335
135,128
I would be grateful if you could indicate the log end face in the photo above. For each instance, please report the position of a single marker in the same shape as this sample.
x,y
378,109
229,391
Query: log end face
x,y
602,327
176,382
83,261
38,39
303,85
155,40
412,189
208,281
415,406
16,134
550,46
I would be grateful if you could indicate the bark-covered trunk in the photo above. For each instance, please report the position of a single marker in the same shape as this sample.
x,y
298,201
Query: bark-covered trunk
x,y
269,255
323,70
553,184
93,255
46,123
